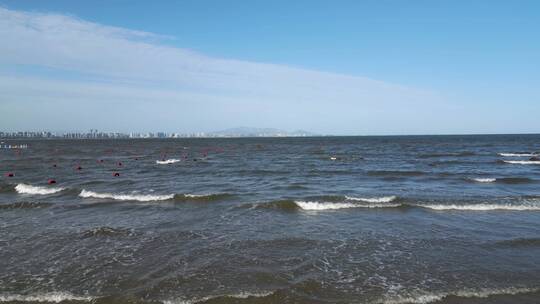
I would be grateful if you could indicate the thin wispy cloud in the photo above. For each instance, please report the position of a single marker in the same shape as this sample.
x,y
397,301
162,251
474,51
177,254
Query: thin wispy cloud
x,y
52,64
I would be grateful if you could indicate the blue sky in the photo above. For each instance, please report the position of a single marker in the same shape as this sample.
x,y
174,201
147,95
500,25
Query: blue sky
x,y
340,67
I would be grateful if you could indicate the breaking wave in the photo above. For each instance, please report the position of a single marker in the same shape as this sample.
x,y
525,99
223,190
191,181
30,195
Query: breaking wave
x,y
126,197
167,161
503,180
524,154
514,180
484,180
50,297
202,197
436,297
220,298
383,199
39,190
389,202
482,207
154,197
523,162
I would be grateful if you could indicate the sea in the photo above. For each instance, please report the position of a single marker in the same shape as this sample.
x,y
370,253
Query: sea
x,y
388,220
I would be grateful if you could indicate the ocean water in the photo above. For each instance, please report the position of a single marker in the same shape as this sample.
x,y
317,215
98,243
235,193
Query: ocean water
x,y
412,219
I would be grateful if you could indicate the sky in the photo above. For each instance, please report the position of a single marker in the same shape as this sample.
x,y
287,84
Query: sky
x,y
329,67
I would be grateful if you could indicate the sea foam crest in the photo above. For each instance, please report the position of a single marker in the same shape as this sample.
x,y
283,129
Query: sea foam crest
x,y
306,205
29,189
484,180
383,199
523,162
167,161
54,297
126,197
517,154
240,295
482,207
482,293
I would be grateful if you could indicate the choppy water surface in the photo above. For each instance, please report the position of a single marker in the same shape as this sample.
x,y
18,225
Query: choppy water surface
x,y
446,219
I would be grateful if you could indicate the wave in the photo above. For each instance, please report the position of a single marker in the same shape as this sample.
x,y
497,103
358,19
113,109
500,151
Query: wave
x,y
6,188
519,242
154,197
523,154
126,197
202,197
24,205
481,207
383,199
523,162
167,161
387,202
502,180
50,297
481,293
458,154
371,203
106,232
221,298
484,180
29,189
395,173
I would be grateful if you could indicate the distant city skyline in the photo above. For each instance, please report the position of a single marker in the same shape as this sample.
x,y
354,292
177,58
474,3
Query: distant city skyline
x,y
344,68
97,134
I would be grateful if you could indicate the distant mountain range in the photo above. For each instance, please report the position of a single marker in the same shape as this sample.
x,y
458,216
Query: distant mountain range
x,y
259,132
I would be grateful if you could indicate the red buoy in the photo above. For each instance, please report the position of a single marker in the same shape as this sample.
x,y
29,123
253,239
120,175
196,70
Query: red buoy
x,y
116,174
51,181
10,174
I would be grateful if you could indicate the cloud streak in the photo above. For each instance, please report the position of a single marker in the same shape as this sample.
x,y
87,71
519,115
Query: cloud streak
x,y
122,79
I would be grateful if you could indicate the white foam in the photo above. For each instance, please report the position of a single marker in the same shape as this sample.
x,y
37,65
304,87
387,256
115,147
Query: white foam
x,y
126,197
523,162
29,189
484,180
241,295
483,207
197,195
167,161
333,206
55,297
383,199
517,154
482,293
